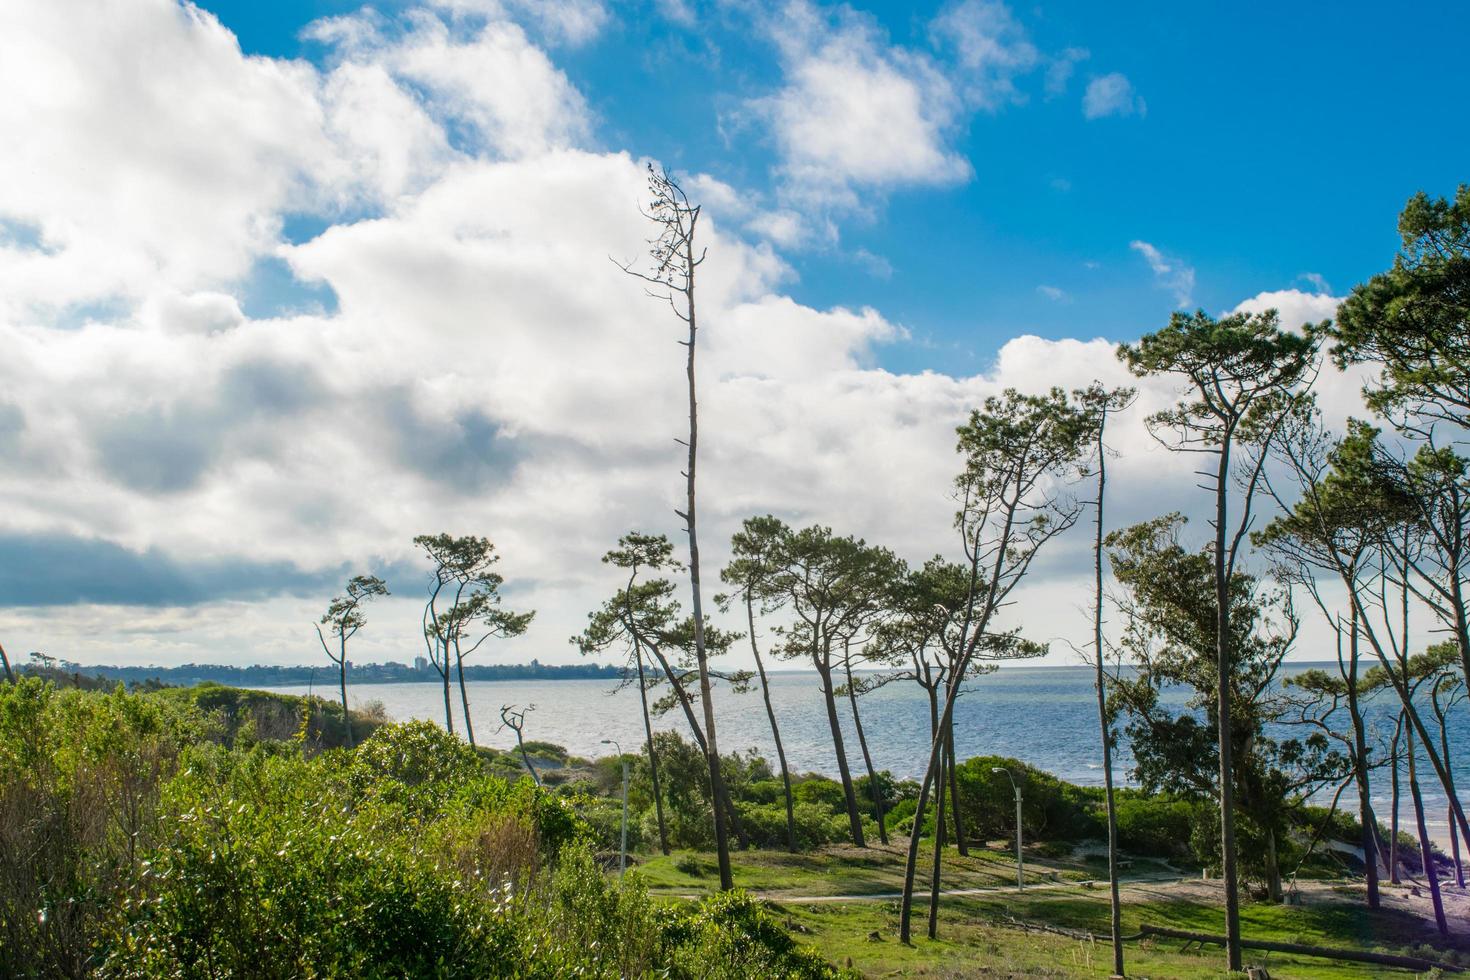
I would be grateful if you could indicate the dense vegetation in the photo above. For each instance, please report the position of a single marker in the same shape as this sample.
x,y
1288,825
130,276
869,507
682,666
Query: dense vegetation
x,y
168,833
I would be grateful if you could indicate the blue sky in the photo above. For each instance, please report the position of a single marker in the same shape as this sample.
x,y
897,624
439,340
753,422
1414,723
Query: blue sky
x,y
1278,141
285,284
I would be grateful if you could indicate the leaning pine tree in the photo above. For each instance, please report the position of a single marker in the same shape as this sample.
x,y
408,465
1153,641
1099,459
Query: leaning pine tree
x,y
343,619
1243,375
750,574
676,260
1015,449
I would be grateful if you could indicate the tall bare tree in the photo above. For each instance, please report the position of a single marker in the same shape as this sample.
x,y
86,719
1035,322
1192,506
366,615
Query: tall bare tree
x,y
676,261
343,618
1099,403
5,661
1242,374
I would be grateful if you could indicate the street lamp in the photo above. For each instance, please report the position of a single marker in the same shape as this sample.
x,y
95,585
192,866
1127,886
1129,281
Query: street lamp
x,y
623,850
1020,873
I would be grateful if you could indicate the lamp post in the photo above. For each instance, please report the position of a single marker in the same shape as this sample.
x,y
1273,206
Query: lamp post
x,y
1020,872
623,849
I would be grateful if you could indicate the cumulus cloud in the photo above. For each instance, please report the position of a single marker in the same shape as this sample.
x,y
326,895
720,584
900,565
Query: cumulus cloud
x,y
1170,273
490,78
858,113
1112,95
191,479
171,175
855,111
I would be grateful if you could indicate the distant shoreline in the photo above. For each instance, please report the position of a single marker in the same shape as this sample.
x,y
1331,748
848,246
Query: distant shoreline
x,y
282,675
271,675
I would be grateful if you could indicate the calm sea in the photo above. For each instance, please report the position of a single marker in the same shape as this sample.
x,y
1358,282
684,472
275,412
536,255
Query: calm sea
x,y
1044,716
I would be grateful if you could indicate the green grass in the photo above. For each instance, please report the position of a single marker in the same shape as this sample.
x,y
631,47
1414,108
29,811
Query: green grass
x,y
978,935
846,871
984,935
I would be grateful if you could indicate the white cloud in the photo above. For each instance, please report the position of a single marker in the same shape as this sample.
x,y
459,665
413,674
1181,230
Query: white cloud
x,y
568,22
1339,393
991,49
486,370
116,161
1170,273
1112,95
489,77
1054,293
1059,69
856,112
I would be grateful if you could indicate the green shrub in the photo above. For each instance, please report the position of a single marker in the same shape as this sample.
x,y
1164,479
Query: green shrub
x,y
821,791
735,931
269,874
816,826
80,778
1050,808
1156,826
198,833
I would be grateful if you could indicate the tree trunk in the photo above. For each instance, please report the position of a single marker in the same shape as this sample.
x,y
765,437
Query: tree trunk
x,y
775,729
701,653
1450,792
526,758
464,697
1462,617
658,798
1360,769
854,815
717,789
9,674
954,793
448,710
1455,848
346,716
905,916
1426,849
1273,869
1393,819
857,722
1224,666
1409,710
938,854
1102,703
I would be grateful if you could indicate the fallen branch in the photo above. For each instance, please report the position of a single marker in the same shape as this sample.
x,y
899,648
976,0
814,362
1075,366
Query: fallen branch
x,y
1354,955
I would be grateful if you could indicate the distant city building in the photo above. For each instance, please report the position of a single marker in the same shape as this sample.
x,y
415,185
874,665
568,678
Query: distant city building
x,y
420,664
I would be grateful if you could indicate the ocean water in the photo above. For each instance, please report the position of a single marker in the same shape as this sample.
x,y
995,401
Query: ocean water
x,y
1044,716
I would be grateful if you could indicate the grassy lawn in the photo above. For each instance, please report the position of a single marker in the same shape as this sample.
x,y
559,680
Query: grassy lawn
x,y
875,870
987,935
